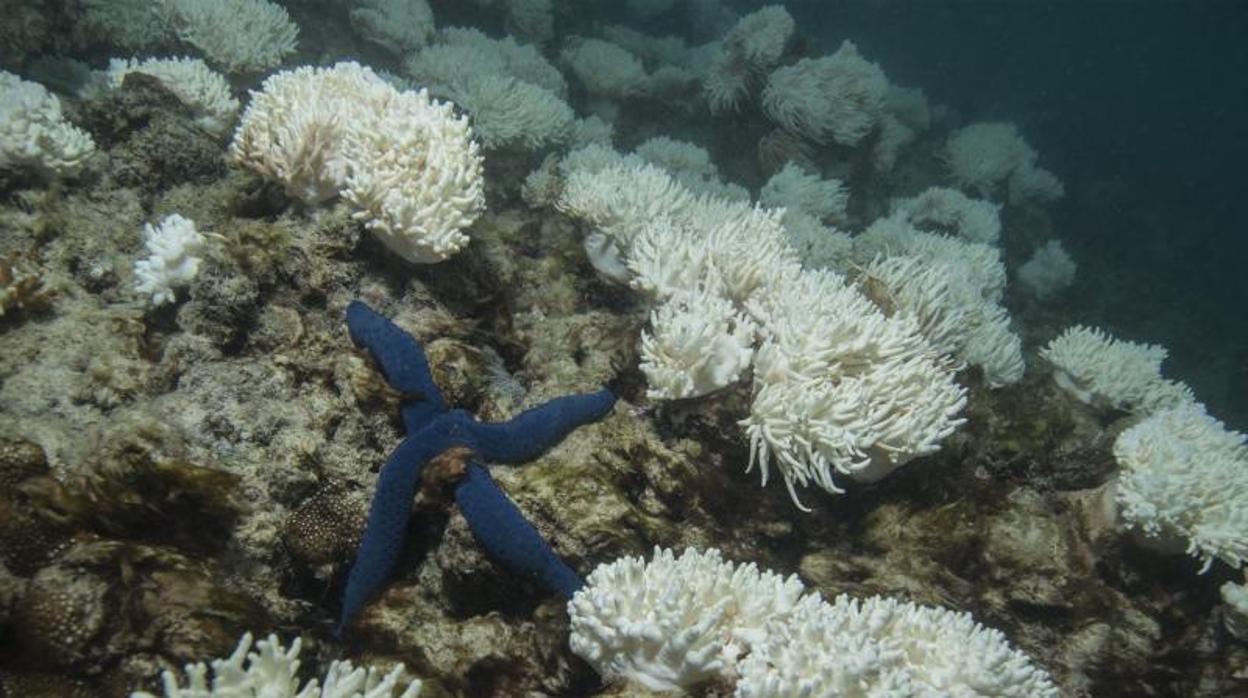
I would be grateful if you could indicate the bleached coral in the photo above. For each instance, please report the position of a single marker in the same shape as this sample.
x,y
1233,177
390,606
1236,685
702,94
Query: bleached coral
x,y
941,210
239,35
838,97
196,85
34,133
840,387
271,671
952,287
509,112
127,24
1049,270
674,622
398,25
1111,373
416,177
407,162
747,52
885,647
681,158
1185,476
986,157
698,342
294,128
531,20
606,70
174,247
825,200
459,53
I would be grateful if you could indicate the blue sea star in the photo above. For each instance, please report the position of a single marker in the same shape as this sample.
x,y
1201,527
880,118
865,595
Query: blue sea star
x,y
432,429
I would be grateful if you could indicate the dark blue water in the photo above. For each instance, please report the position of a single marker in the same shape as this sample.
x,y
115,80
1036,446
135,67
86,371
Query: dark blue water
x,y
1141,108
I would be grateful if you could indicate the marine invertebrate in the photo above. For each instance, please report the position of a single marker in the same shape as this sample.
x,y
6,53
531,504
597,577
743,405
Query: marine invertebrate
x,y
19,289
838,97
174,246
34,133
988,156
673,623
1049,270
748,51
1185,478
1106,372
272,671
200,88
406,162
239,35
432,429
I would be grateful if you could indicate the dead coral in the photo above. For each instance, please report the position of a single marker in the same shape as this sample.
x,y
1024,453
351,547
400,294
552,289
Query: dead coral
x,y
20,289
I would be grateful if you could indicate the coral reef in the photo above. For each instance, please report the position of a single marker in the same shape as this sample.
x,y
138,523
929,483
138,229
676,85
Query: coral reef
x,y
775,258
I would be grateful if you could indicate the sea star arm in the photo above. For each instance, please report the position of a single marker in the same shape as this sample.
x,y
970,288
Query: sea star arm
x,y
532,432
388,514
508,538
402,362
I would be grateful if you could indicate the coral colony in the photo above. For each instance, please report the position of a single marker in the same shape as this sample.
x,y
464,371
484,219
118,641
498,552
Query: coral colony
x,y
828,306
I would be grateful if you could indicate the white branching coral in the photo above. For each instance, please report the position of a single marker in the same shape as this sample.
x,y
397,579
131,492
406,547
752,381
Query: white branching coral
x,y
1050,270
238,35
272,671
1185,476
796,191
407,162
747,53
34,133
942,210
1105,372
510,112
989,156
173,260
606,70
397,25
841,388
698,342
838,97
884,647
203,90
513,94
951,287
838,386
415,176
673,623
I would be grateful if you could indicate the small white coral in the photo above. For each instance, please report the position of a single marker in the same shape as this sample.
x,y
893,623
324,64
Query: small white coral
x,y
1049,270
174,246
1185,476
675,622
239,35
272,670
34,133
838,97
199,87
698,342
510,112
1111,373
